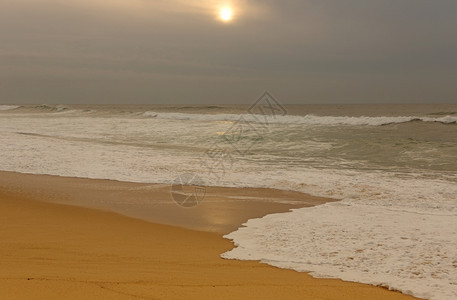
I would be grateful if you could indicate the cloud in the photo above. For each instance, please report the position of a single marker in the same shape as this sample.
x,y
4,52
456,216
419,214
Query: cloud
x,y
336,49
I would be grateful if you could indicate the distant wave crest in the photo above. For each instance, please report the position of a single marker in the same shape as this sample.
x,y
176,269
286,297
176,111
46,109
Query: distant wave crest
x,y
307,119
8,107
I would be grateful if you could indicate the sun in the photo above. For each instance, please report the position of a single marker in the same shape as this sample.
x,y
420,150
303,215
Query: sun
x,y
226,14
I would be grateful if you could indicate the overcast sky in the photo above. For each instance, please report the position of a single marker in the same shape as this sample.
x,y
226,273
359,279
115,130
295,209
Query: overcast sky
x,y
176,51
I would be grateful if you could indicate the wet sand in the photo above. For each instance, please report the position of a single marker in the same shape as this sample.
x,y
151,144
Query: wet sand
x,y
223,210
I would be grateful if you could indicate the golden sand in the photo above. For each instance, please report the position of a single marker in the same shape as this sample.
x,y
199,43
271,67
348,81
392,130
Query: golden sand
x,y
57,251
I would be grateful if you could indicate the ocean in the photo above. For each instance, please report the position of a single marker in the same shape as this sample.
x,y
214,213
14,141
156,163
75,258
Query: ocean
x,y
393,167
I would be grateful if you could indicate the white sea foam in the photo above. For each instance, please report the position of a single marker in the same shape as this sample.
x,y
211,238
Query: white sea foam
x,y
396,232
410,252
8,107
307,119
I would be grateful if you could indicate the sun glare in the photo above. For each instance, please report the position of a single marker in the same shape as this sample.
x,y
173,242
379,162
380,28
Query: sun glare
x,y
226,14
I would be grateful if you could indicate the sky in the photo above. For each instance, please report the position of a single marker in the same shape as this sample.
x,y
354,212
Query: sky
x,y
182,52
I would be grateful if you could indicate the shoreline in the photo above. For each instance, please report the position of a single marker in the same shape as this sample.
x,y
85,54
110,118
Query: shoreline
x,y
50,246
223,210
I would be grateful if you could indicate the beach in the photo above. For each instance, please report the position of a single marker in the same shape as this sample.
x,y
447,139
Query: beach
x,y
50,250
228,150
358,193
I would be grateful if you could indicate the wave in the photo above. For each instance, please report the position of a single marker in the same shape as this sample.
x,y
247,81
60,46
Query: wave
x,y
201,107
309,119
8,107
306,120
56,108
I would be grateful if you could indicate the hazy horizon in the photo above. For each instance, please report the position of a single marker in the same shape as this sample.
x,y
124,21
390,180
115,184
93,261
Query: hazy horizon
x,y
246,104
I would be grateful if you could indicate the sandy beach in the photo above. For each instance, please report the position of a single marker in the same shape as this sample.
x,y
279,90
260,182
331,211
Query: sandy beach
x,y
50,251
228,149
